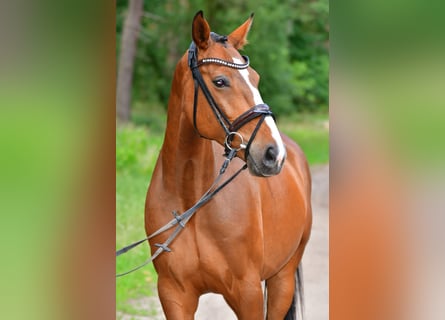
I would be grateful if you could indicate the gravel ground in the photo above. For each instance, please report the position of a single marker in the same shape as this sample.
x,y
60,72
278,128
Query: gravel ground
x,y
315,267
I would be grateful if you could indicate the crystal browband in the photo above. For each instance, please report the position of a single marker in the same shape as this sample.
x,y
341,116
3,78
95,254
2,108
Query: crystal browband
x,y
225,63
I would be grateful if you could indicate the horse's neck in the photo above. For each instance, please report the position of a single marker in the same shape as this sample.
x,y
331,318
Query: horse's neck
x,y
188,164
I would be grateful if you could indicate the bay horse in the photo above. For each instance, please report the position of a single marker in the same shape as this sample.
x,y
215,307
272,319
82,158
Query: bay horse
x,y
255,229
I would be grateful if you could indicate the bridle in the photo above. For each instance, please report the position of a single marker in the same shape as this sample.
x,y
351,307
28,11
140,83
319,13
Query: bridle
x,y
230,128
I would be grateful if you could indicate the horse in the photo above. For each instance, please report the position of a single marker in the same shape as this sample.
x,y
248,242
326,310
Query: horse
x,y
252,232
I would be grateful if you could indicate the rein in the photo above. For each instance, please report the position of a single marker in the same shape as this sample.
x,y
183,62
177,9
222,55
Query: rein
x,y
181,220
230,129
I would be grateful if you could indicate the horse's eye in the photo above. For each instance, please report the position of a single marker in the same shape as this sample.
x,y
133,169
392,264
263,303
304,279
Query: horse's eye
x,y
221,82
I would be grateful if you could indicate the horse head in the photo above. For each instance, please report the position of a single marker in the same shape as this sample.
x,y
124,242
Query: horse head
x,y
227,106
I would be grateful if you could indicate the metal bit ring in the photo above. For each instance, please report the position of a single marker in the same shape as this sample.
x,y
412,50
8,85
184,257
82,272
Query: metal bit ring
x,y
229,139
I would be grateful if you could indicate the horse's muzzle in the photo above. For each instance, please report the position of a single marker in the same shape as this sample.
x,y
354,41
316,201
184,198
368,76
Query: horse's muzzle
x,y
264,162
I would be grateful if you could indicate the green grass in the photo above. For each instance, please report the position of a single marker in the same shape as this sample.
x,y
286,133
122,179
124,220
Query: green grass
x,y
311,132
137,147
130,199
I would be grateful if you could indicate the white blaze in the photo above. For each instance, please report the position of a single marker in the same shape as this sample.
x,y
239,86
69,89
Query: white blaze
x,y
269,120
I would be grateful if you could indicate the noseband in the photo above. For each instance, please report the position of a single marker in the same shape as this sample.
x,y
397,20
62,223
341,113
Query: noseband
x,y
230,128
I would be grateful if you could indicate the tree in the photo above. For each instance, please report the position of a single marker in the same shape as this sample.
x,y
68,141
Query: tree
x,y
130,35
289,48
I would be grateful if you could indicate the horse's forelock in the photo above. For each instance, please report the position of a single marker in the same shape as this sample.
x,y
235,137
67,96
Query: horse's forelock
x,y
219,38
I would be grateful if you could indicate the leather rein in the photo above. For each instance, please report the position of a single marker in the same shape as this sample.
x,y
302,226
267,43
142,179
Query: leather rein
x,y
230,129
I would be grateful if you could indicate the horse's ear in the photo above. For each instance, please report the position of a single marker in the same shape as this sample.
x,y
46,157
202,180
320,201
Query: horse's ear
x,y
200,31
238,38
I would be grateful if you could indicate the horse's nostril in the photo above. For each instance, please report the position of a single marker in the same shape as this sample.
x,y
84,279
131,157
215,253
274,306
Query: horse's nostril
x,y
270,156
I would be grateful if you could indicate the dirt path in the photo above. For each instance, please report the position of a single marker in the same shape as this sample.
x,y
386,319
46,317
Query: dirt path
x,y
315,267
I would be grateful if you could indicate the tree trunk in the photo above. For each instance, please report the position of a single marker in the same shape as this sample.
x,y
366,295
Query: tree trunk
x,y
126,61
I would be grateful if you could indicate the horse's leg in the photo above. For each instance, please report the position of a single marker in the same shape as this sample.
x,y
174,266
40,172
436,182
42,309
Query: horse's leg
x,y
280,291
178,302
281,288
246,299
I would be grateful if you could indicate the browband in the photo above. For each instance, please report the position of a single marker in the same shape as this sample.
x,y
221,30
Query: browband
x,y
225,63
260,110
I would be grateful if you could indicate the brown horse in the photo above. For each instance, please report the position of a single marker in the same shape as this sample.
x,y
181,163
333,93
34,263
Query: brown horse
x,y
257,227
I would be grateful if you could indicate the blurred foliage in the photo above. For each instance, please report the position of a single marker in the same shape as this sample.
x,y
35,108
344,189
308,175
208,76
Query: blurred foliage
x,y
288,47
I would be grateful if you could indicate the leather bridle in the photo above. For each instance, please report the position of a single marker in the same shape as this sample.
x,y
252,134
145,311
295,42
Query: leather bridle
x,y
230,128
179,221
